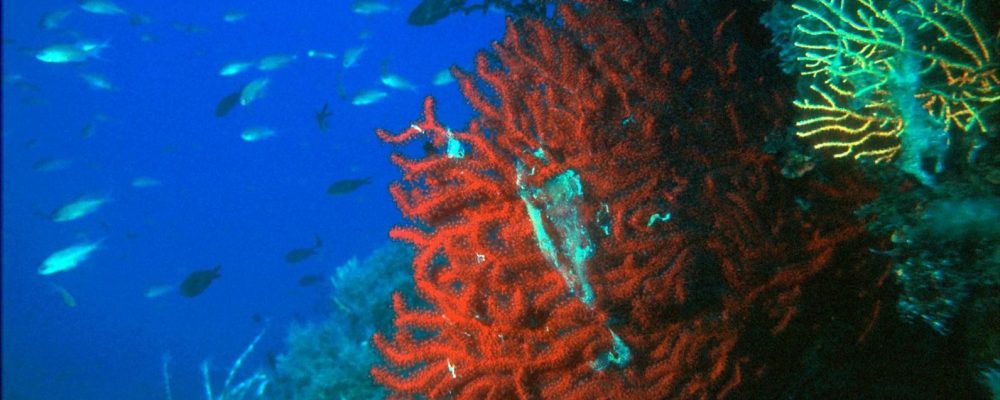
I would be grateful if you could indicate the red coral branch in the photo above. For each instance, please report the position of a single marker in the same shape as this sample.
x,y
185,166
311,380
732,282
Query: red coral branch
x,y
689,238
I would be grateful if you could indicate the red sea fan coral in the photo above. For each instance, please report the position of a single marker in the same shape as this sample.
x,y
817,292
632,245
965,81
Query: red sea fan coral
x,y
606,228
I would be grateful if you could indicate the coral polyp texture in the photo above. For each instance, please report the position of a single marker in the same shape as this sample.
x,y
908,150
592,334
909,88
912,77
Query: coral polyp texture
x,y
892,79
606,227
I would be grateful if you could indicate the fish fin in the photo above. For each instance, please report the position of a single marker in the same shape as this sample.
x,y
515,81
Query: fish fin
x,y
97,243
96,52
322,115
319,242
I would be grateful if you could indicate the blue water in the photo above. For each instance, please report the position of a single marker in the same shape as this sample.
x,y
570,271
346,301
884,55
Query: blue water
x,y
222,200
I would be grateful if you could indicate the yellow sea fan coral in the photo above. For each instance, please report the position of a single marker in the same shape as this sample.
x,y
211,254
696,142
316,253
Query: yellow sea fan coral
x,y
873,72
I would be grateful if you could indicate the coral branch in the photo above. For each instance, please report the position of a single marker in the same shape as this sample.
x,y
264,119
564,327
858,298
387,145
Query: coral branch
x,y
883,78
610,228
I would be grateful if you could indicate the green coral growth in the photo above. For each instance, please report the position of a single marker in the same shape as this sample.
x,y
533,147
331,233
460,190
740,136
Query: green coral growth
x,y
331,360
555,204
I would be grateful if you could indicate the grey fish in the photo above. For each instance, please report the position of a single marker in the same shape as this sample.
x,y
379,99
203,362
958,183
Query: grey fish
x,y
79,208
254,90
52,20
322,115
197,281
50,164
227,103
370,96
189,28
300,254
431,11
345,186
430,149
309,280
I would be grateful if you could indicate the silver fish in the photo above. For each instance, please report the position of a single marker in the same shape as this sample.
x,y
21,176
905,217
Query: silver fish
x,y
276,61
68,258
143,182
69,53
397,82
235,67
370,96
52,20
369,7
443,77
97,81
257,133
233,16
352,55
253,90
103,7
79,208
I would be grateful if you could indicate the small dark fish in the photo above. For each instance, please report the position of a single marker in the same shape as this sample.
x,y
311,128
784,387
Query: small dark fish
x,y
227,103
322,115
345,186
431,11
299,255
189,28
88,130
430,149
50,164
27,86
257,318
309,280
197,281
139,19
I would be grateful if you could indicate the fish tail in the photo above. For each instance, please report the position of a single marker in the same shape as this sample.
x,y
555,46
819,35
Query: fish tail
x,y
95,53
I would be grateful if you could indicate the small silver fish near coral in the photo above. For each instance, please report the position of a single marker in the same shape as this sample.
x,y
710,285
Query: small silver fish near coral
x,y
370,96
443,77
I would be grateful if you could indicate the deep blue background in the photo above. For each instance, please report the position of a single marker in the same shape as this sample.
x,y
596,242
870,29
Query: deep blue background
x,y
222,201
